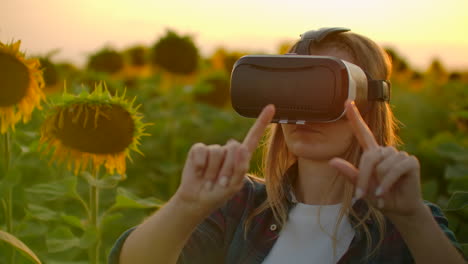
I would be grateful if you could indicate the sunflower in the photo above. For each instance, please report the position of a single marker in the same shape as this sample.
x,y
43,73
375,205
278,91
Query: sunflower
x,y
93,129
21,84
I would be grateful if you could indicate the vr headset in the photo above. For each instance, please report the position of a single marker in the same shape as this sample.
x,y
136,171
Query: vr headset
x,y
303,88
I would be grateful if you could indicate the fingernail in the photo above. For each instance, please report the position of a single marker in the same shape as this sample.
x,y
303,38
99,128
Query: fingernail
x,y
379,191
380,203
359,193
208,185
223,181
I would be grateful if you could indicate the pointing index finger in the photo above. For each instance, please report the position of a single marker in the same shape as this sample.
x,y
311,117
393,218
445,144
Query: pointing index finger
x,y
256,131
361,130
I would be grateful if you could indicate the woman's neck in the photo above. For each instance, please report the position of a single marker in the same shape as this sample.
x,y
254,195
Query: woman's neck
x,y
314,183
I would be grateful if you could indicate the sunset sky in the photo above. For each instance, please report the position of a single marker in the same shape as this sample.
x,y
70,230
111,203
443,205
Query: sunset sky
x,y
420,30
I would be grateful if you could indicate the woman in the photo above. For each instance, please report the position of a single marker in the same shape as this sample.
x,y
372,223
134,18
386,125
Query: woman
x,y
332,192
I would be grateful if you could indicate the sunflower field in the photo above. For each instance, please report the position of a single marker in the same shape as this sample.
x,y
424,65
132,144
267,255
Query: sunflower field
x,y
86,153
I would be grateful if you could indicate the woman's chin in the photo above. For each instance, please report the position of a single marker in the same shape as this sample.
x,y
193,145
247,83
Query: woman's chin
x,y
312,152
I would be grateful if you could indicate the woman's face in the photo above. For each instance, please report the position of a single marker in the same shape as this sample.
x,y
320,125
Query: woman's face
x,y
320,141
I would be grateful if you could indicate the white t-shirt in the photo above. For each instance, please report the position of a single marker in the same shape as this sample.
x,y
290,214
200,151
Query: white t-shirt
x,y
304,239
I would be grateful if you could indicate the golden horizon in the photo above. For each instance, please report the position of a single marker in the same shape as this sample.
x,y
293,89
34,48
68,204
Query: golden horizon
x,y
418,30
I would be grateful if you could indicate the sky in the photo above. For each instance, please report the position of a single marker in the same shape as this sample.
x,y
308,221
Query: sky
x,y
419,30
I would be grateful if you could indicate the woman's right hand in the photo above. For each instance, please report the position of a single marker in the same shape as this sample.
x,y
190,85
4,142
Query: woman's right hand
x,y
213,174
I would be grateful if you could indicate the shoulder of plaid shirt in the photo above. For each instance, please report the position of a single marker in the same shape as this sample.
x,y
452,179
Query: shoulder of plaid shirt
x,y
220,237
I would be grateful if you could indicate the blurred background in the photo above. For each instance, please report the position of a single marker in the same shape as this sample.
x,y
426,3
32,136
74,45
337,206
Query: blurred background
x,y
176,56
420,30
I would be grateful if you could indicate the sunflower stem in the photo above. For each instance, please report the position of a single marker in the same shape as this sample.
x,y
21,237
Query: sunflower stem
x,y
6,151
94,206
8,191
174,181
84,204
9,214
8,198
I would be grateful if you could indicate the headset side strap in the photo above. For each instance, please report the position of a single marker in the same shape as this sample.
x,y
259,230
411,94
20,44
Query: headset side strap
x,y
378,90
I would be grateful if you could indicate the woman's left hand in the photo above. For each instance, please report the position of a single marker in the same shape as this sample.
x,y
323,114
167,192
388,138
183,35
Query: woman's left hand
x,y
387,177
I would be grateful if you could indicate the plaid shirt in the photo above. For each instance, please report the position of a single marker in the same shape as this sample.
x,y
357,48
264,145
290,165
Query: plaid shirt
x,y
220,238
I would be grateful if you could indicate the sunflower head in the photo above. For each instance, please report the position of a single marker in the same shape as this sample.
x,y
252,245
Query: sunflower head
x,y
51,76
21,84
176,54
107,60
137,56
93,129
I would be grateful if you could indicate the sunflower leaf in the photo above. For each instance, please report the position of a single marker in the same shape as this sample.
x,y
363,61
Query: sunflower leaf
x,y
30,229
54,190
458,201
20,246
109,182
111,218
67,262
89,238
61,239
41,213
456,171
126,199
462,114
453,150
72,221
11,178
465,248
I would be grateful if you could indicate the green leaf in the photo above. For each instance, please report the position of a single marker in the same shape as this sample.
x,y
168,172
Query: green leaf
x,y
462,114
61,239
41,213
126,199
24,149
12,178
465,248
168,168
31,229
54,190
110,218
67,262
456,171
109,182
458,201
59,245
89,238
73,221
453,150
429,190
20,246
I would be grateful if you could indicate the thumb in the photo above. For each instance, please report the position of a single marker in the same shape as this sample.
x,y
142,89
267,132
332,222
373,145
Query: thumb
x,y
345,168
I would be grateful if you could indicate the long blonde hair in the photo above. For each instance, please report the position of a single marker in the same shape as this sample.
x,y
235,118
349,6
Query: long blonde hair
x,y
380,119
